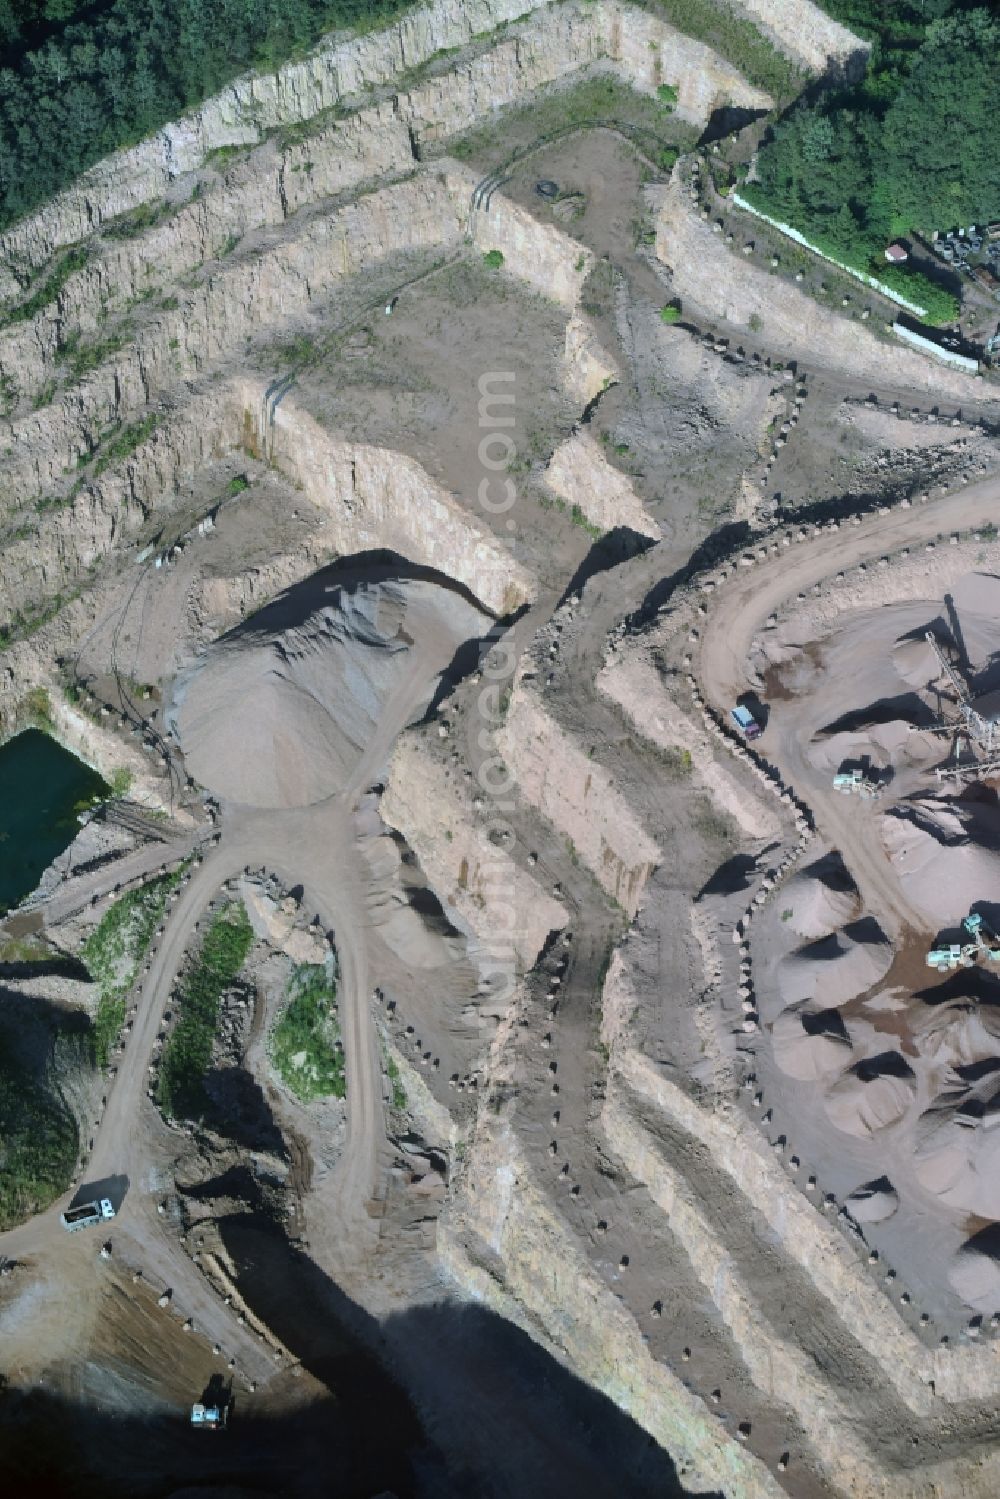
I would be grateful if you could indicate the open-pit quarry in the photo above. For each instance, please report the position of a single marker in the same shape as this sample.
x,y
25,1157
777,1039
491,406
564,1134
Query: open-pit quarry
x,y
506,1077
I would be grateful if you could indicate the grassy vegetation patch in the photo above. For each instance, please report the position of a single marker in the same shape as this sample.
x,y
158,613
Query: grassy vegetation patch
x,y
114,951
138,220
27,622
124,441
25,950
305,1042
80,357
575,513
398,1091
48,290
187,1054
734,38
597,101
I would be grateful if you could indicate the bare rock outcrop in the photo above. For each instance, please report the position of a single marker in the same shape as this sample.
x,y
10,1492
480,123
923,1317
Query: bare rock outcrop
x,y
805,32
480,884
587,367
580,474
579,798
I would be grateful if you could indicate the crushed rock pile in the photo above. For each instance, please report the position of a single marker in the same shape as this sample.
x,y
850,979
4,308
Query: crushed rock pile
x,y
821,898
946,853
810,1044
975,1270
958,1154
874,1094
833,971
872,1202
958,1039
277,713
915,661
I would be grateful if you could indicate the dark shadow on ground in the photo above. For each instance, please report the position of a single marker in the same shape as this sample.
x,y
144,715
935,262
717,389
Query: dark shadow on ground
x,y
722,543
505,1420
975,984
908,706
114,1188
727,120
730,877
59,966
613,548
300,601
238,1109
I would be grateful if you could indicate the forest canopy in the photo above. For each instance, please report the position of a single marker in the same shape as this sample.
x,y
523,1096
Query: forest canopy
x,y
79,79
913,146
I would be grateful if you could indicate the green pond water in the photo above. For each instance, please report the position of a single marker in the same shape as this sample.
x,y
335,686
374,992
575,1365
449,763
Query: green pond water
x,y
42,789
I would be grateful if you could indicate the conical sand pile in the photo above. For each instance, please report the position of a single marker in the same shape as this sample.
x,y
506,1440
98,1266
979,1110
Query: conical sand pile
x,y
873,1202
958,1155
278,713
875,1094
975,1270
915,661
945,852
810,1044
833,971
821,898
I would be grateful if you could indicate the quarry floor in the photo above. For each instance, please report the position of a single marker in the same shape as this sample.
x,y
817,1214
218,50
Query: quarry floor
x,y
384,1356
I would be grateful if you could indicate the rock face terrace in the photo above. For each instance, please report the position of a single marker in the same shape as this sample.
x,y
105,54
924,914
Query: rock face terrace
x,y
578,1088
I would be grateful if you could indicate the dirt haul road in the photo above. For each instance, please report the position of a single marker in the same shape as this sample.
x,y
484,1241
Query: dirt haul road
x,y
313,847
739,610
140,864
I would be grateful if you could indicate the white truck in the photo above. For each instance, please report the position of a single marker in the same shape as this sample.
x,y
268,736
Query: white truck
x,y
87,1213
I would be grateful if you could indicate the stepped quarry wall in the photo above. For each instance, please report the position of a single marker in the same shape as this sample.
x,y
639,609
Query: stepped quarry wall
x,y
587,367
254,295
650,53
479,884
539,1279
730,290
804,31
632,681
248,296
336,71
371,499
579,798
774,1365
539,254
378,499
554,40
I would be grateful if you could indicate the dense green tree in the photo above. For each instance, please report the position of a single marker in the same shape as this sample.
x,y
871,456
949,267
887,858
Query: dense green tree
x,y
78,79
912,146
817,172
939,163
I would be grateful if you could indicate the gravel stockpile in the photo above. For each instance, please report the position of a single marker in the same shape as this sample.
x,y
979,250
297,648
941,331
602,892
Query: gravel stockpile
x,y
278,712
